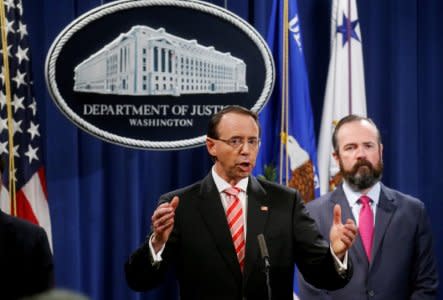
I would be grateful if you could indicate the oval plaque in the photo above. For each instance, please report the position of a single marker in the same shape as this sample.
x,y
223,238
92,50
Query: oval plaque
x,y
149,74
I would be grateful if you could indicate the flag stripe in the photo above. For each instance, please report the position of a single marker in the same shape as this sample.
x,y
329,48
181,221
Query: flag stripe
x,y
24,209
34,191
41,175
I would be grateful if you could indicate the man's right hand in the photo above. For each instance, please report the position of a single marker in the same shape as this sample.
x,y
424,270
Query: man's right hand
x,y
163,223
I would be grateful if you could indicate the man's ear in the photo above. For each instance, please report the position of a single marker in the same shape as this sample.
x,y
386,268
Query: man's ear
x,y
336,156
210,145
381,152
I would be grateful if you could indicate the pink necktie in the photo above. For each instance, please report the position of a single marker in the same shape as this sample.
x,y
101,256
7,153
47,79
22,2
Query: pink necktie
x,y
234,214
366,225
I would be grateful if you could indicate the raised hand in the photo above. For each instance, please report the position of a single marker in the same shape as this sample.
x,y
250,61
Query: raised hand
x,y
342,236
163,223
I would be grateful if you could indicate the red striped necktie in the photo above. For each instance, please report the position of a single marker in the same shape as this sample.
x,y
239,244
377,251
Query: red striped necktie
x,y
234,214
366,224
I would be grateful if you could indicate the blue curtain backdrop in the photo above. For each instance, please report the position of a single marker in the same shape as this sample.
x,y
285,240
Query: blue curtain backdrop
x,y
102,196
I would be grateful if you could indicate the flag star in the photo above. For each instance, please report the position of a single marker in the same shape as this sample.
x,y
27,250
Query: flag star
x,y
4,147
10,26
3,124
2,75
20,7
33,130
2,99
348,33
22,29
22,54
9,51
17,126
31,153
9,4
19,78
18,103
33,106
16,154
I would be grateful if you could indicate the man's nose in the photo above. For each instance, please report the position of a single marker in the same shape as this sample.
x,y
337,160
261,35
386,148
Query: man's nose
x,y
245,147
361,152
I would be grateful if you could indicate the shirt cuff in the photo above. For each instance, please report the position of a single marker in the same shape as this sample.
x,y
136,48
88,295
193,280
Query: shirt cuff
x,y
341,267
156,257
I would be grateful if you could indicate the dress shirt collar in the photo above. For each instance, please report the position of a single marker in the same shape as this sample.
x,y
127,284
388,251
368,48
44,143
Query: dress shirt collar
x,y
353,196
222,185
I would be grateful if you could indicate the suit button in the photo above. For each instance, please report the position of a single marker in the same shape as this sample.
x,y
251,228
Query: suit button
x,y
371,293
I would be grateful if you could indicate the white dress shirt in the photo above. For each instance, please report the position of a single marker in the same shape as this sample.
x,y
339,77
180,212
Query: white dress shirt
x,y
353,197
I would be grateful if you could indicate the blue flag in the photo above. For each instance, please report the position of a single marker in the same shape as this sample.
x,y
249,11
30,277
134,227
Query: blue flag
x,y
288,153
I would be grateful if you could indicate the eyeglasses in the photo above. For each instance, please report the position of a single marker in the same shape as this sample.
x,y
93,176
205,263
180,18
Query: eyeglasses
x,y
237,142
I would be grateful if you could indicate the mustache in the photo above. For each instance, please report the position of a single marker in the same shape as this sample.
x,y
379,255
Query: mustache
x,y
362,163
362,179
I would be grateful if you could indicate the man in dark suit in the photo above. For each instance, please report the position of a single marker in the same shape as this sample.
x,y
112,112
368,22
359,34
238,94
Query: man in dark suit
x,y
213,245
393,255
26,266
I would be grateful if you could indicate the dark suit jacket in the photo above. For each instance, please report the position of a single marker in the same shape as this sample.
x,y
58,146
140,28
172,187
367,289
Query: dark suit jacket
x,y
403,264
26,266
200,247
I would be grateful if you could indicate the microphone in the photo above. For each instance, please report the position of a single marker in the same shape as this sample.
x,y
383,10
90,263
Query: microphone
x,y
263,249
265,256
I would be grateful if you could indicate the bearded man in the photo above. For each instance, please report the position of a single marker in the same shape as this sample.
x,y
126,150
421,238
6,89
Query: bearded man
x,y
393,254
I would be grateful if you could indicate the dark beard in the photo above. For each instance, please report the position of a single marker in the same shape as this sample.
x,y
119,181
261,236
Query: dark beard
x,y
363,175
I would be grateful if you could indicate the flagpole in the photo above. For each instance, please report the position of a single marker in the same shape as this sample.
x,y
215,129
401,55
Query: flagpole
x,y
286,49
283,88
284,126
348,37
7,77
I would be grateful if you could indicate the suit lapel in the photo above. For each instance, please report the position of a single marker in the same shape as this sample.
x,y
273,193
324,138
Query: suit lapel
x,y
385,210
339,197
257,214
213,214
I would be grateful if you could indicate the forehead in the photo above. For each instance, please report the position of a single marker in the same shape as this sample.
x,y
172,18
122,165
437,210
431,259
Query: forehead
x,y
235,124
357,132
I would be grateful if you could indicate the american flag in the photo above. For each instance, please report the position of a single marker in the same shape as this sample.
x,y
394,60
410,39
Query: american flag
x,y
27,169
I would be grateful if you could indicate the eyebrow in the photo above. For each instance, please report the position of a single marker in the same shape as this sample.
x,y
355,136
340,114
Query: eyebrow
x,y
243,137
364,143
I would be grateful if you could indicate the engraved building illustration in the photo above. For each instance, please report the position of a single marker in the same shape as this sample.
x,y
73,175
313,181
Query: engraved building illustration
x,y
146,61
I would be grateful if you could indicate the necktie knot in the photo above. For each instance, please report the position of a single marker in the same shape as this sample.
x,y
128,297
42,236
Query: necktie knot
x,y
232,191
365,200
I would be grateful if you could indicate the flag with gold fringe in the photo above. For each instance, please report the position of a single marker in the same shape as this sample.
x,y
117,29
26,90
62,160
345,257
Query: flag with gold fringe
x,y
24,194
